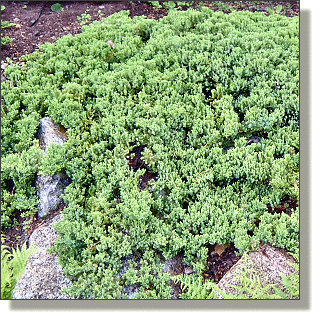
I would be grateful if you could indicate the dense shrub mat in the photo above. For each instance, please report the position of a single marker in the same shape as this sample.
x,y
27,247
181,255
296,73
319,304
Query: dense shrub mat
x,y
182,135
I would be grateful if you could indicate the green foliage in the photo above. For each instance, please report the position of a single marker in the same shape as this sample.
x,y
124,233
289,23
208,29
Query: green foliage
x,y
155,4
194,288
5,24
190,90
85,18
291,283
169,5
5,40
17,176
12,267
275,10
56,7
251,286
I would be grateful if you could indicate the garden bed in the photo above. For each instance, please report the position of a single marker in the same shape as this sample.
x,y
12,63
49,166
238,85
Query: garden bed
x,y
266,138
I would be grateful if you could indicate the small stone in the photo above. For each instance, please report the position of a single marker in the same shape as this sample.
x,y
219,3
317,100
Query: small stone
x,y
4,65
111,44
174,266
254,139
49,190
49,132
188,270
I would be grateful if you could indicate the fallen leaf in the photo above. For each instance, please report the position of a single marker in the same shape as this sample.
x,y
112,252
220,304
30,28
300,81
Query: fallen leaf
x,y
4,65
219,249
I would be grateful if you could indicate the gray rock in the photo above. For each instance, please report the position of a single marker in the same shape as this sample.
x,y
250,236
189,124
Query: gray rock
x,y
268,262
50,188
131,290
254,139
176,266
43,278
50,132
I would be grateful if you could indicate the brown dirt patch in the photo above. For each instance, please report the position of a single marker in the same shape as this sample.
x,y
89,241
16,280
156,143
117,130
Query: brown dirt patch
x,y
53,25
220,264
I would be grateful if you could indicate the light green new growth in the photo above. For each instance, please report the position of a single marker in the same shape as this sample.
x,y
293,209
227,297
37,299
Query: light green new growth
x,y
5,24
194,288
85,18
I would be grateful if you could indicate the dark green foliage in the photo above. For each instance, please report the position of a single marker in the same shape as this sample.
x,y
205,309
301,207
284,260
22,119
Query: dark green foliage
x,y
193,89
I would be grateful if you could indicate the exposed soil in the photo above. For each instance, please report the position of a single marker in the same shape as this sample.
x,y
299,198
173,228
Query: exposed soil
x,y
22,228
35,24
136,163
220,264
29,33
286,205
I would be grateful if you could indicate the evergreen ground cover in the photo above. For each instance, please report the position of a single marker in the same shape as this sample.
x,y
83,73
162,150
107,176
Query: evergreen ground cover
x,y
180,135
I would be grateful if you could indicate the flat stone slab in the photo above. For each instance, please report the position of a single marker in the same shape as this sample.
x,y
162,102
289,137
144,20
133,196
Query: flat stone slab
x,y
43,278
